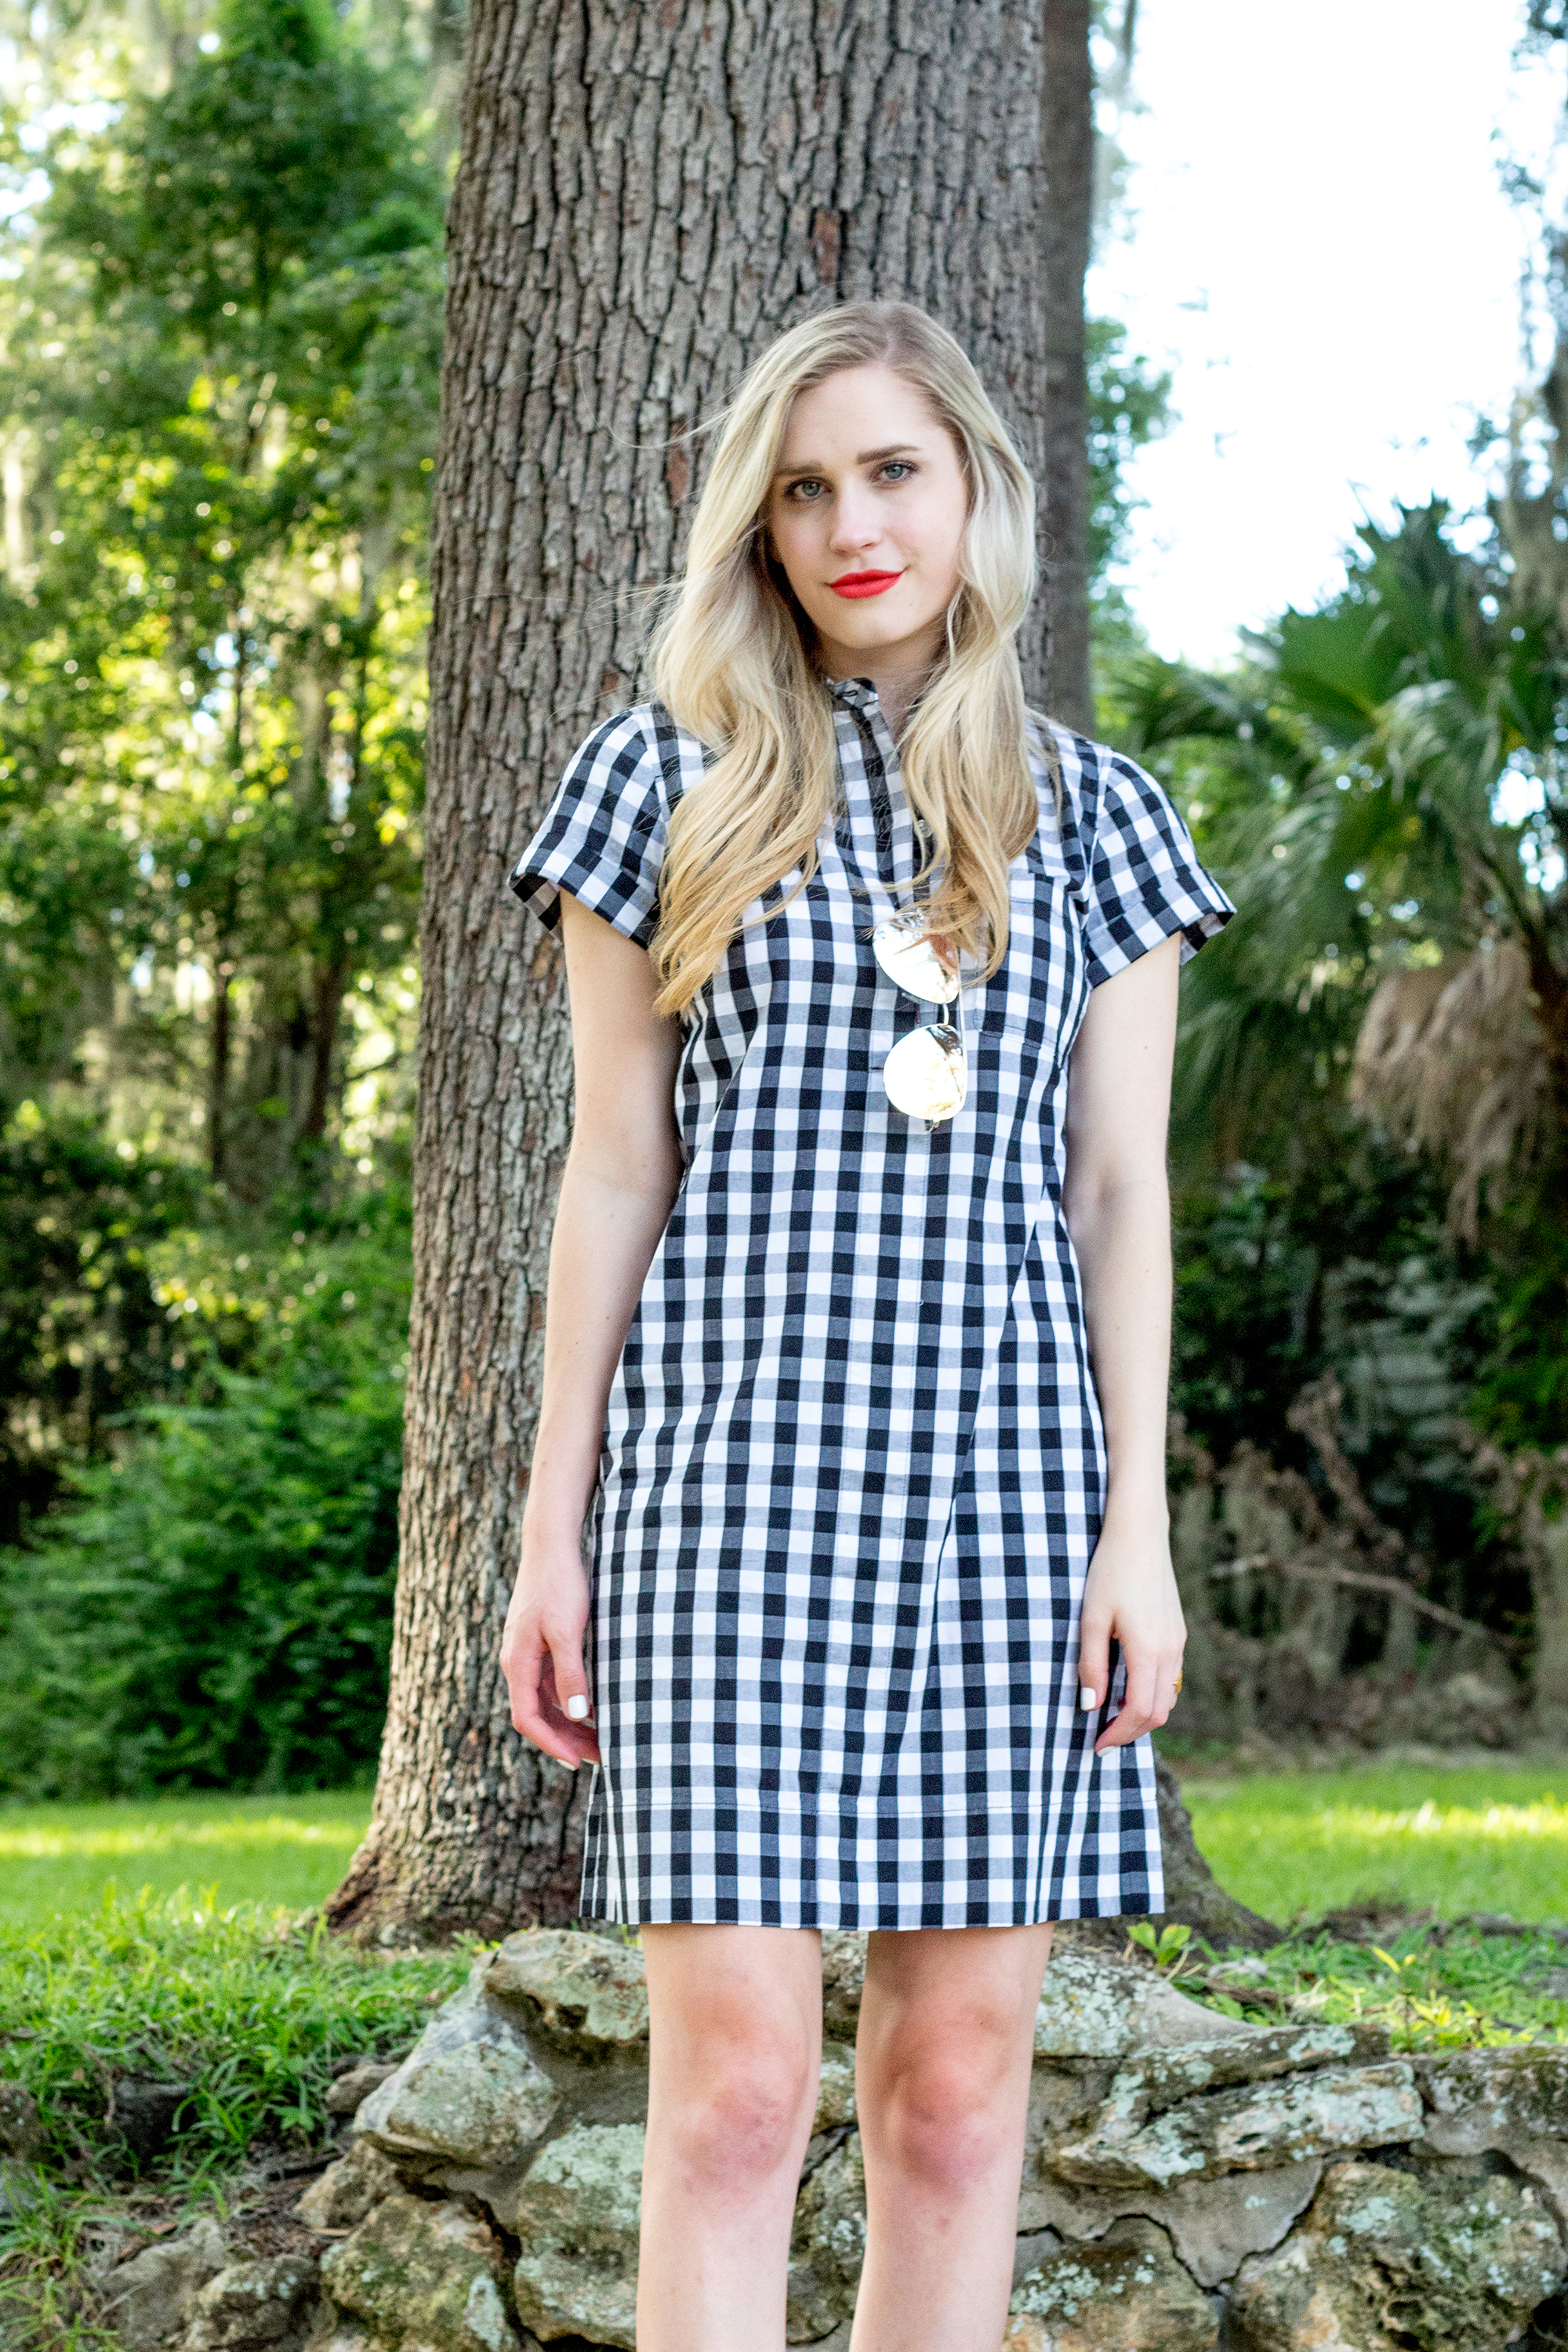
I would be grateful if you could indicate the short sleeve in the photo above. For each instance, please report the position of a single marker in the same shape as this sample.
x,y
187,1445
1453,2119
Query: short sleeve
x,y
1144,880
603,837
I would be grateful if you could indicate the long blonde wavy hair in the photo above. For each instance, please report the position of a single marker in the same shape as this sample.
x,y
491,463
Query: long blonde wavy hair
x,y
734,665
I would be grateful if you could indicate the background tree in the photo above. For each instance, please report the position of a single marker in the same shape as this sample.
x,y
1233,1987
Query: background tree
x,y
1067,145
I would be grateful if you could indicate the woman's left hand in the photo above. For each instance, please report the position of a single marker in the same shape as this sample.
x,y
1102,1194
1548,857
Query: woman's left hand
x,y
1130,1598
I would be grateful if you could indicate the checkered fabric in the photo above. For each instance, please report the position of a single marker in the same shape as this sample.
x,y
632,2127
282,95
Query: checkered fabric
x,y
852,1465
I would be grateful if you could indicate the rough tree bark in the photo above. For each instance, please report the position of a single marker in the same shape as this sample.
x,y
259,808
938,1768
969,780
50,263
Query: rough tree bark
x,y
1066,144
646,196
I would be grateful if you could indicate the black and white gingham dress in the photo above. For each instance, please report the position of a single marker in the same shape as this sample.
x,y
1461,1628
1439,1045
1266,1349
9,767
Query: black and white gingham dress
x,y
853,1468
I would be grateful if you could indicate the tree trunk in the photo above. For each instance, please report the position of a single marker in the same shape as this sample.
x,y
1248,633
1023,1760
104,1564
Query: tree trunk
x,y
1067,140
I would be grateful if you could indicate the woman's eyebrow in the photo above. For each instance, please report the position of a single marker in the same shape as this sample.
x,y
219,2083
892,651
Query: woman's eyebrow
x,y
865,458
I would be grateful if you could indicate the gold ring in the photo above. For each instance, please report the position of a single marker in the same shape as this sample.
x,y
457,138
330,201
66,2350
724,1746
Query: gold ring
x,y
1178,1685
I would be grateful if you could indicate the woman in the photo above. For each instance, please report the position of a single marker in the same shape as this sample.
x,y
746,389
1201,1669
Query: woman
x,y
873,985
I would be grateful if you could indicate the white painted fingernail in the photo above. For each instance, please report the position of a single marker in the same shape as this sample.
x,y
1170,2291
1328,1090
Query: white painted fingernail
x,y
1086,1697
577,1707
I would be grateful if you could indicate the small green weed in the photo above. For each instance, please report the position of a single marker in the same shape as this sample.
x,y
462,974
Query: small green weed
x,y
251,2008
1431,1989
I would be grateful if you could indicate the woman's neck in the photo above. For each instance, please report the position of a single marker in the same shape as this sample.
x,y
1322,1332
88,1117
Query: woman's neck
x,y
899,673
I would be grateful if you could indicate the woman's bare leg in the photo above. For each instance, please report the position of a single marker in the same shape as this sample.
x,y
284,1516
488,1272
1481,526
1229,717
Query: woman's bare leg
x,y
735,2048
947,2028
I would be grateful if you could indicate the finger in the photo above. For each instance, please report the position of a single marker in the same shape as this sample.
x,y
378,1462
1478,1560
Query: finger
x,y
532,1686
572,1697
1136,1714
1093,1662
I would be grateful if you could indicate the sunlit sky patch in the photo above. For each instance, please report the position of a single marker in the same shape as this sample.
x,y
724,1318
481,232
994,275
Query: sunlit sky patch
x,y
1322,250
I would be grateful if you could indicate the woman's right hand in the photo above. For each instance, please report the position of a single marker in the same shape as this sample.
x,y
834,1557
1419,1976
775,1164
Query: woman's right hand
x,y
541,1654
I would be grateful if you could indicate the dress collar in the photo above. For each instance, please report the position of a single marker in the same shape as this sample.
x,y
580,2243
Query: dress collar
x,y
858,691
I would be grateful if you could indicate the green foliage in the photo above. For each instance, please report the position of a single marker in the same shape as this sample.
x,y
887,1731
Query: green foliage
x,y
1129,404
250,2008
82,1337
220,375
1459,1991
213,1608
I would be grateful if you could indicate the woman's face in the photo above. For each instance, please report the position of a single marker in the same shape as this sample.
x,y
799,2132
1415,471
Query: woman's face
x,y
867,515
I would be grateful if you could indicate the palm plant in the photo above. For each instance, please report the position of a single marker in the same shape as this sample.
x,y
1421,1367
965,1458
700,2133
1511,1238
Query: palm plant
x,y
1383,787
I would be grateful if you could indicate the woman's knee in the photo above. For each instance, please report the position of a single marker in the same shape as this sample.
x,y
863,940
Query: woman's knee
x,y
946,2108
740,2112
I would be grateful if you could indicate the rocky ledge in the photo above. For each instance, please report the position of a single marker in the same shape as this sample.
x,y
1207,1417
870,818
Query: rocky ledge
x,y
1192,2181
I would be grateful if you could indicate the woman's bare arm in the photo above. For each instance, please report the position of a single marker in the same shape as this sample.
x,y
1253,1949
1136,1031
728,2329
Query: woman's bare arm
x,y
1118,1209
619,1183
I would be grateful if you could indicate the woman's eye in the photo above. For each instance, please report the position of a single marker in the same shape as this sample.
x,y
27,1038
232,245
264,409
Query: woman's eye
x,y
897,469
803,492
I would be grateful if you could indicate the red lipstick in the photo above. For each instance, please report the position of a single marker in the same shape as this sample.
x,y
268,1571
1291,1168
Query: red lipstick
x,y
863,583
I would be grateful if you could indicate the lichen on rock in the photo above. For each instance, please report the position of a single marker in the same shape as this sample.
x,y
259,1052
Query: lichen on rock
x,y
262,2303
577,2216
586,1991
1386,2262
348,2189
1326,2111
1127,2292
427,2276
827,2246
470,2094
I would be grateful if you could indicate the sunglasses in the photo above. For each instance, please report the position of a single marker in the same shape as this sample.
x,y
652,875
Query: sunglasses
x,y
927,1072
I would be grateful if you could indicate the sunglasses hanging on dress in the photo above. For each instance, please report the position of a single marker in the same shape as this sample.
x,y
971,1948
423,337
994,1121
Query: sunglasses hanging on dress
x,y
927,1072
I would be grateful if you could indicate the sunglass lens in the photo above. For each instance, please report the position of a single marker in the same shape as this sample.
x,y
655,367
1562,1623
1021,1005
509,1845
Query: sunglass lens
x,y
909,961
925,1075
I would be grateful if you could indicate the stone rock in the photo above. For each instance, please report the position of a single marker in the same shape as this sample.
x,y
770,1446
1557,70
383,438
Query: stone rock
x,y
1328,2112
1213,2224
144,2115
1514,2099
1481,2098
1092,2006
1127,2292
469,2102
577,2217
259,2302
148,2299
587,1991
836,2088
354,2086
426,2276
19,2189
843,1982
827,2246
21,2132
348,2189
1385,2263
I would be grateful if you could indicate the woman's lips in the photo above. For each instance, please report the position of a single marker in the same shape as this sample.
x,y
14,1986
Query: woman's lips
x,y
863,583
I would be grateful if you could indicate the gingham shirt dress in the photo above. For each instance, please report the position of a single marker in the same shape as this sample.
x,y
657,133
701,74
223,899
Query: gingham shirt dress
x,y
853,1469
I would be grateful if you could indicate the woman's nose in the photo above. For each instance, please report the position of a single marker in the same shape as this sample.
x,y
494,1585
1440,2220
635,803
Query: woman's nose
x,y
855,522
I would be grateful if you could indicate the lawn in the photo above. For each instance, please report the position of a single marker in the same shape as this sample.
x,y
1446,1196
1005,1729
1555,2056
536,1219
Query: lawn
x,y
1488,1838
1460,1838
273,1850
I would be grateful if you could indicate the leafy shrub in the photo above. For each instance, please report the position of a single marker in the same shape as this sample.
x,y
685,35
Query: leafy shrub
x,y
82,1335
214,1607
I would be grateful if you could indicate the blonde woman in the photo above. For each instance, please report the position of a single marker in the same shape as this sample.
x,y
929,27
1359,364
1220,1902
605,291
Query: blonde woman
x,y
856,1338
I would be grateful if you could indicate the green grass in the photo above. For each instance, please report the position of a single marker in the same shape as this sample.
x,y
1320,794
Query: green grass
x,y
251,2009
1485,1838
287,1851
